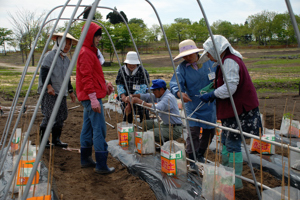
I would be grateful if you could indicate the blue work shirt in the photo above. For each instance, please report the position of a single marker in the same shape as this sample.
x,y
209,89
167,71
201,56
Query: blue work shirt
x,y
167,102
191,81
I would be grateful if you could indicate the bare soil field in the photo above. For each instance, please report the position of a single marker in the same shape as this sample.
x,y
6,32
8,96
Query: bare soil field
x,y
77,184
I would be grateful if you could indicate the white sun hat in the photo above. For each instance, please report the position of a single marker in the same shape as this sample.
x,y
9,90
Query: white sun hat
x,y
221,44
61,34
186,47
132,58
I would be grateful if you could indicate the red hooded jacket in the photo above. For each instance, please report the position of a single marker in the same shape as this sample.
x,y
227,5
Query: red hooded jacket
x,y
89,73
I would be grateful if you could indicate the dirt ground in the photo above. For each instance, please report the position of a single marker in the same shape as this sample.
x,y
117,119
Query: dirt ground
x,y
76,183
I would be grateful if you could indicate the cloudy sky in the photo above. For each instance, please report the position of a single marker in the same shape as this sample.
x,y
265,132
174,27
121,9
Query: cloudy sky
x,y
235,11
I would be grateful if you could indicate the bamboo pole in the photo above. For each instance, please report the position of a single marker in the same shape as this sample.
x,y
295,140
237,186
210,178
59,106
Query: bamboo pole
x,y
207,149
261,170
291,119
282,183
264,115
159,133
52,171
49,168
221,146
274,119
289,173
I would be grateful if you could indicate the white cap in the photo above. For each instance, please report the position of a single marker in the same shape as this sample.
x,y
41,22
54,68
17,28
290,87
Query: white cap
x,y
132,58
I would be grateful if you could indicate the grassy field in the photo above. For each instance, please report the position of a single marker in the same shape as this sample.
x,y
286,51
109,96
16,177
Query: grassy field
x,y
267,68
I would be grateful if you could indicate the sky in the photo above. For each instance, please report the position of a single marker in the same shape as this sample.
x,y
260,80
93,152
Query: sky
x,y
234,11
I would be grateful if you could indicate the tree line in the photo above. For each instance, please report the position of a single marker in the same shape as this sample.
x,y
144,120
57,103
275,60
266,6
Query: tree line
x,y
264,28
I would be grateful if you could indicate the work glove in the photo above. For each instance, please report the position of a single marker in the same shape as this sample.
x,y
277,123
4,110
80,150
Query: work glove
x,y
109,88
208,97
94,102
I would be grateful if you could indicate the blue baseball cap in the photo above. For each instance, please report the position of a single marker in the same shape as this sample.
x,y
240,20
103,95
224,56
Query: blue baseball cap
x,y
158,83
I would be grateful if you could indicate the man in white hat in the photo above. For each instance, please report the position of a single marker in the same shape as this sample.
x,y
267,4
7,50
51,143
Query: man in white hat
x,y
54,86
136,82
194,75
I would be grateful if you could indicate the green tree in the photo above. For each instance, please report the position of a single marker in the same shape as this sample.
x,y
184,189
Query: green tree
x,y
224,28
137,21
198,31
183,21
283,29
261,24
5,36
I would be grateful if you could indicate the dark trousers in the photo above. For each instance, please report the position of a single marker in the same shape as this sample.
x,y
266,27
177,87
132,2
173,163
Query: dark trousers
x,y
203,142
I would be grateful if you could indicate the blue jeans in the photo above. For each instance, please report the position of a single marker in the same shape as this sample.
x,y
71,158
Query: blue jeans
x,y
93,128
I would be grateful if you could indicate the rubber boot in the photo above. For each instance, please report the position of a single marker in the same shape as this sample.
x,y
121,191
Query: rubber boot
x,y
225,156
42,133
200,155
86,157
238,169
56,133
101,166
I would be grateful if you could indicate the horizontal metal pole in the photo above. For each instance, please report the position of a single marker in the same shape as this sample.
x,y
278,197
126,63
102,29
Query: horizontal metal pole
x,y
225,128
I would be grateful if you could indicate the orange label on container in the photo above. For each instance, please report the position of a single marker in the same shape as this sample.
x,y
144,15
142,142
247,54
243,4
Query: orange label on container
x,y
294,131
168,166
138,143
265,147
46,197
24,171
123,139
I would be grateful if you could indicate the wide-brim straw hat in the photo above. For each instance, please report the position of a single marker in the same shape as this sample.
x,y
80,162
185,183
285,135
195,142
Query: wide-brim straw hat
x,y
132,58
186,47
61,34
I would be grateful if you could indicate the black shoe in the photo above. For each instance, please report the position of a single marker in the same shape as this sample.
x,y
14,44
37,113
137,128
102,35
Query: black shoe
x,y
200,155
56,133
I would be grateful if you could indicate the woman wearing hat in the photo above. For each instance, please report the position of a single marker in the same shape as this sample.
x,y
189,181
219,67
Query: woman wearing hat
x,y
193,76
244,96
136,82
54,86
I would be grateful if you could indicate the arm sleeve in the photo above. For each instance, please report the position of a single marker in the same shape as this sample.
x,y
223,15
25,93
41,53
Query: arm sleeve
x,y
231,70
147,98
86,69
173,83
43,74
70,87
121,89
142,90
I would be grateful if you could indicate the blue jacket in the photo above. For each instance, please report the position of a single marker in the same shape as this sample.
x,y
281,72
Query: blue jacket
x,y
191,81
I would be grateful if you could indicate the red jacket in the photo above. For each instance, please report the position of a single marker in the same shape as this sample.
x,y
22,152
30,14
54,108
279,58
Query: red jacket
x,y
89,74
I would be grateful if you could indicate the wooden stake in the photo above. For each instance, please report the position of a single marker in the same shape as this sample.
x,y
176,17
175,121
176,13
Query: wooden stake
x,y
159,133
282,183
289,173
291,123
61,197
52,172
221,146
274,120
261,170
264,115
234,161
49,168
207,149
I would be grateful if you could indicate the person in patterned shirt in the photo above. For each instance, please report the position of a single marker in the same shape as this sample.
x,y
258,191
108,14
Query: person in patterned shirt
x,y
136,82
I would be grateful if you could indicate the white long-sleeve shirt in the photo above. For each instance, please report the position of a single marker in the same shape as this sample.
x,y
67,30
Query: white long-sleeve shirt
x,y
231,70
